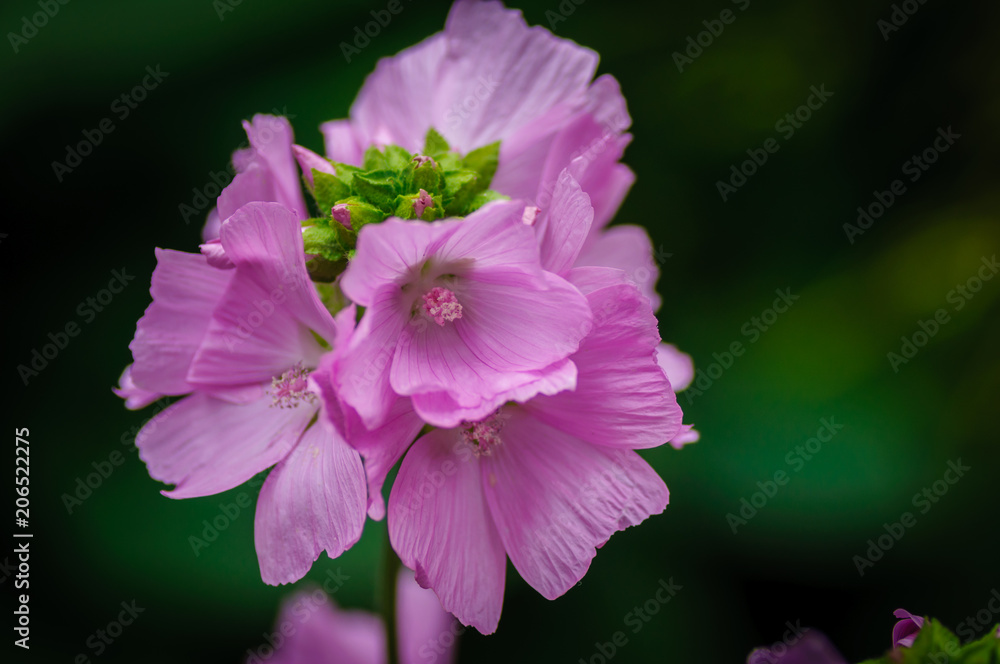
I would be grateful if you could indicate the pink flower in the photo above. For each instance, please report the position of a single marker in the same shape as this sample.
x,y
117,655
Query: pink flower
x,y
904,633
241,343
459,315
315,631
545,482
490,77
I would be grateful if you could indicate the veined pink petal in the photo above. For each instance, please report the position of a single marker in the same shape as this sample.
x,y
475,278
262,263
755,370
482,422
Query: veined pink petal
x,y
564,225
627,248
555,499
204,445
362,377
271,137
313,501
622,397
441,528
252,183
427,633
185,291
265,321
308,160
390,252
493,236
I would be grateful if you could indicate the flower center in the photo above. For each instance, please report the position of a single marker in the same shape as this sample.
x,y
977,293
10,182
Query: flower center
x,y
291,388
484,435
441,305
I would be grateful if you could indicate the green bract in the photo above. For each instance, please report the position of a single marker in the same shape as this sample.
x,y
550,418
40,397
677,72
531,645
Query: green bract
x,y
392,182
935,643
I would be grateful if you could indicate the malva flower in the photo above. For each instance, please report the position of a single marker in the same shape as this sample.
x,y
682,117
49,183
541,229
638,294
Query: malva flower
x,y
458,314
904,632
241,343
544,482
313,630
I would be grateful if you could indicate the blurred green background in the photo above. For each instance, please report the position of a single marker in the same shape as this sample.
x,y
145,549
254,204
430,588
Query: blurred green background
x,y
826,357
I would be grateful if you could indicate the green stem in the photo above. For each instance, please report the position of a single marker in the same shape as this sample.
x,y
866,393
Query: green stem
x,y
387,591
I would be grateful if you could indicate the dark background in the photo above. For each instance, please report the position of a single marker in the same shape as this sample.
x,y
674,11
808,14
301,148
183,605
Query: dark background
x,y
826,357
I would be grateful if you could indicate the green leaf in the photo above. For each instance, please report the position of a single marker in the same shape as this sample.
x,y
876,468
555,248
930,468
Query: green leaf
x,y
484,197
484,161
346,172
380,188
323,241
460,188
434,143
374,160
328,190
429,178
397,159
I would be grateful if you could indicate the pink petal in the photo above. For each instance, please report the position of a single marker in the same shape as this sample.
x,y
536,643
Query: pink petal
x,y
564,225
271,137
555,499
427,633
626,248
622,397
210,231
309,160
315,630
185,290
342,142
362,378
389,252
509,332
204,445
313,501
441,528
135,397
678,366
251,184
493,236
264,323
685,436
215,254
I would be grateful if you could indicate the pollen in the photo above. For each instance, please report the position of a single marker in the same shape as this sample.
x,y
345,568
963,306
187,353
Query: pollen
x,y
291,388
484,436
441,305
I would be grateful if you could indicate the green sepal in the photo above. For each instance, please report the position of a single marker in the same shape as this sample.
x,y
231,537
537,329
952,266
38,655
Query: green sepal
x,y
362,213
322,270
484,197
374,160
434,143
379,187
427,177
484,161
397,159
460,188
346,172
405,208
449,161
321,240
328,190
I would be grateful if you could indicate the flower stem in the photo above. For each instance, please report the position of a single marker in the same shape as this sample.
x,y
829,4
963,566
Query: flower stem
x,y
387,591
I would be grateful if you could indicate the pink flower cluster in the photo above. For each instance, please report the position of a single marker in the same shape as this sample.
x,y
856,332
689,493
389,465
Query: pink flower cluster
x,y
508,357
